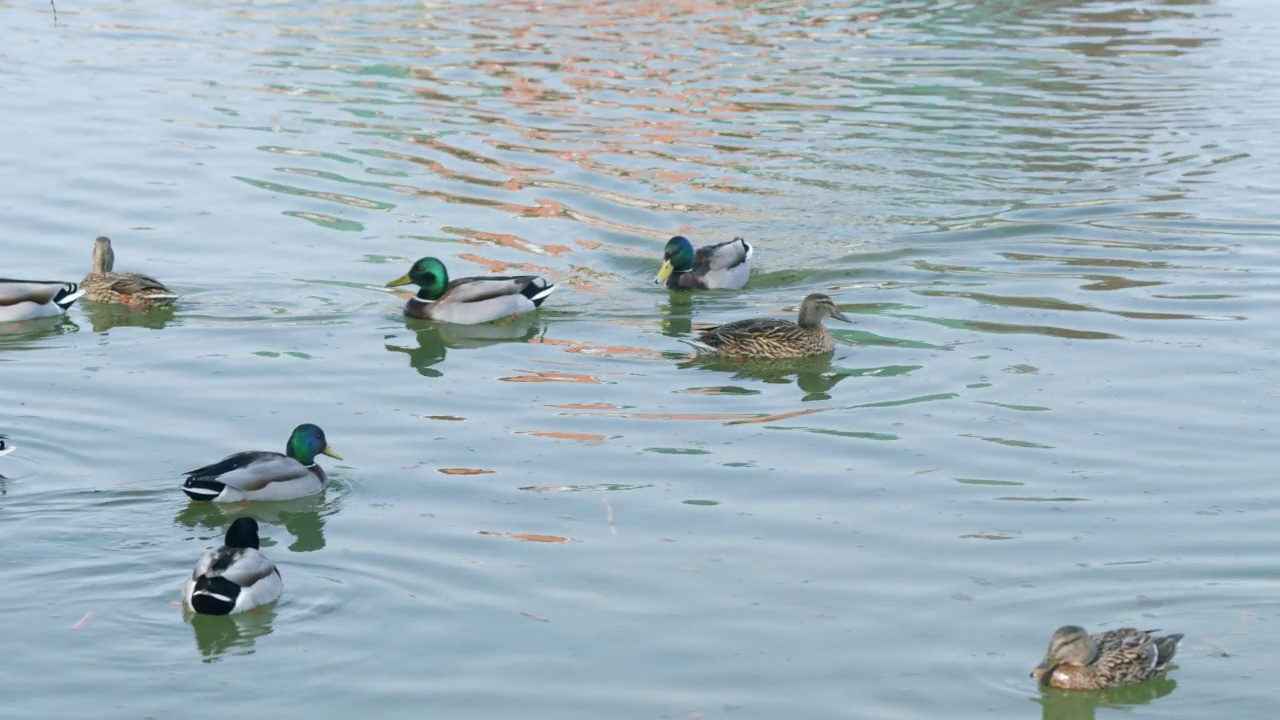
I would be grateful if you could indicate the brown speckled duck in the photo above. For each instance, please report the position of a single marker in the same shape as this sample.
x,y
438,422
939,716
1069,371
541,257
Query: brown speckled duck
x,y
103,285
774,337
1076,661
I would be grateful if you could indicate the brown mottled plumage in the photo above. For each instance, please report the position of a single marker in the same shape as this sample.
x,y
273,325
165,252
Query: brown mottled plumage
x,y
773,337
1076,661
103,285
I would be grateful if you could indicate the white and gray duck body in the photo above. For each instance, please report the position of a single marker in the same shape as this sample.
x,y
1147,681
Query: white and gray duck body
x,y
263,475
470,300
235,577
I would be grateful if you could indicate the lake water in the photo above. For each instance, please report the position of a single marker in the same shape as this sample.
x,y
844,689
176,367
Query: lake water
x,y
1054,223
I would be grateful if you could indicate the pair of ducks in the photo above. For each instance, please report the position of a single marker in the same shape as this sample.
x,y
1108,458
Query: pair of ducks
x,y
29,299
237,577
727,265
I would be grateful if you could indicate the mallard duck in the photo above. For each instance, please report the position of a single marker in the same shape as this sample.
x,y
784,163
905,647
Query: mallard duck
x,y
235,577
103,285
261,475
774,337
27,299
5,446
1076,661
469,300
724,266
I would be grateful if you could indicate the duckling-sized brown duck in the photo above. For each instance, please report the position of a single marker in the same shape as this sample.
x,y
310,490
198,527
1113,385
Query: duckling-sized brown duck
x,y
774,337
1076,661
105,286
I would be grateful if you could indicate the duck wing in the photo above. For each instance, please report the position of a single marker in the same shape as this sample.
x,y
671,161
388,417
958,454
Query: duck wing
x,y
249,471
137,284
721,256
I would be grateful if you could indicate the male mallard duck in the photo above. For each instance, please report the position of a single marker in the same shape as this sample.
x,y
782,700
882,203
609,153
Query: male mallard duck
x,y
261,475
235,577
1125,656
103,285
27,299
724,266
5,446
773,337
469,300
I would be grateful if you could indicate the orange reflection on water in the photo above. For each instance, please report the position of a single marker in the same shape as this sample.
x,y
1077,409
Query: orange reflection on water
x,y
588,437
779,416
551,376
464,471
526,536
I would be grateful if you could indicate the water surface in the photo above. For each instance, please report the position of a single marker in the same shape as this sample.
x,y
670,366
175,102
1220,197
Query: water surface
x,y
1052,222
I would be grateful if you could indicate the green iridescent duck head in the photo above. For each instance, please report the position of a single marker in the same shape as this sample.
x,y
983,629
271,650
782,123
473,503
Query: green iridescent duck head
x,y
676,257
429,275
308,441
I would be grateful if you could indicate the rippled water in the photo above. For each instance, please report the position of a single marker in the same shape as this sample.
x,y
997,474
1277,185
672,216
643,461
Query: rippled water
x,y
1052,221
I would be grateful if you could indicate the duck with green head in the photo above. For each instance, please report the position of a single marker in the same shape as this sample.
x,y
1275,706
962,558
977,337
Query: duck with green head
x,y
724,266
1077,661
775,337
104,285
30,299
262,475
469,300
235,577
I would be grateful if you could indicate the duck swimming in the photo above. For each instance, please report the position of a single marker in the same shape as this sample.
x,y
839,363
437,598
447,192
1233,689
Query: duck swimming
x,y
469,300
262,475
1077,661
235,577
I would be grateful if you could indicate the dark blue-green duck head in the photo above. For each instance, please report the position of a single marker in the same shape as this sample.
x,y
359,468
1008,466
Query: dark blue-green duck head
x,y
243,533
428,274
306,442
676,257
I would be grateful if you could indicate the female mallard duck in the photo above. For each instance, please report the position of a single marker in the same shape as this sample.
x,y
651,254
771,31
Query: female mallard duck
x,y
235,577
5,447
724,266
469,300
27,299
773,337
261,475
103,285
1125,656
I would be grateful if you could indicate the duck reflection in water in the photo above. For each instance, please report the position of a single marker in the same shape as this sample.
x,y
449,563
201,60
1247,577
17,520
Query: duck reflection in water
x,y
217,634
435,339
814,375
303,518
104,316
1083,705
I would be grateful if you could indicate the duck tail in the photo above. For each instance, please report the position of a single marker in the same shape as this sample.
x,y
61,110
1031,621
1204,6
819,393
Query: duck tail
x,y
1166,648
214,595
68,295
700,346
537,290
202,489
